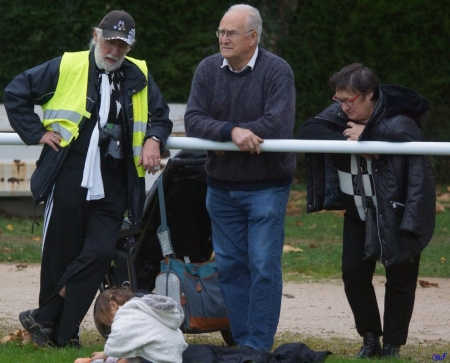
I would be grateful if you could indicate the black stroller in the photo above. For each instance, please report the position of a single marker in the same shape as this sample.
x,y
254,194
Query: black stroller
x,y
138,255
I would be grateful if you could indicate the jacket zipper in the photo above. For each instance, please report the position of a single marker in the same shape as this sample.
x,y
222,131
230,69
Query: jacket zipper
x,y
395,204
376,209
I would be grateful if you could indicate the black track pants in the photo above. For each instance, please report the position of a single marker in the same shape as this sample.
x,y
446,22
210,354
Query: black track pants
x,y
80,240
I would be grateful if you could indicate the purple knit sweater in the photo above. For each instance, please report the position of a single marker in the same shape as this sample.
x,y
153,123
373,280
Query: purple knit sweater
x,y
261,100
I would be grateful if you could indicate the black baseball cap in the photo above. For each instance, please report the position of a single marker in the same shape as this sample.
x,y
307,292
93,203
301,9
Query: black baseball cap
x,y
118,24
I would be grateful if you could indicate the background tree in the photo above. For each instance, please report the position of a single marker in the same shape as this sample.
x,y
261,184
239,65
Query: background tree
x,y
403,42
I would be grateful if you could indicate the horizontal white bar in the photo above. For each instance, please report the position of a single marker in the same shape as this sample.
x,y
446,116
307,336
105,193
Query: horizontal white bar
x,y
320,146
10,138
299,146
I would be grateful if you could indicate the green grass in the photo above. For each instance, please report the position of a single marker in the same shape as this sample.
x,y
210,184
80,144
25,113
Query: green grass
x,y
17,243
318,236
343,350
28,353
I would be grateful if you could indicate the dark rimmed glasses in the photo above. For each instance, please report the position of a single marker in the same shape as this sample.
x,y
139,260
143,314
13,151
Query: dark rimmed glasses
x,y
349,102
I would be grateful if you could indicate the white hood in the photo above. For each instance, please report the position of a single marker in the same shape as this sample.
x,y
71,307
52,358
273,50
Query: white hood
x,y
147,327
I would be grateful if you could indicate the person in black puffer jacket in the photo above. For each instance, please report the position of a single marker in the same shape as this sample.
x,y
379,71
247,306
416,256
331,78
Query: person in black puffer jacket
x,y
390,201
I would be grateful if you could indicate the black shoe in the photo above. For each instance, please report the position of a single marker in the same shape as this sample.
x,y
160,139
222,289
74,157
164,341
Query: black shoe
x,y
390,351
40,335
371,347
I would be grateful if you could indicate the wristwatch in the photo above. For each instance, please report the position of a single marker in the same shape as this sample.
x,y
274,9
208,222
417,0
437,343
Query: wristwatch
x,y
157,139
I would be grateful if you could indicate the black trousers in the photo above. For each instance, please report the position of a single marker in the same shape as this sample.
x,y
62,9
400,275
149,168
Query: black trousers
x,y
79,240
400,288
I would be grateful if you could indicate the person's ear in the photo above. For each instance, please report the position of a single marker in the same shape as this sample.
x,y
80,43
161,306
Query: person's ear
x,y
114,306
370,95
254,38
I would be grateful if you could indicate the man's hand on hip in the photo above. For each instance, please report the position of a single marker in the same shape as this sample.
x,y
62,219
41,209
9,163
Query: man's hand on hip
x,y
52,139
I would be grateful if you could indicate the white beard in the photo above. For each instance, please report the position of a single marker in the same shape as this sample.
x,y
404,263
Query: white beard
x,y
102,64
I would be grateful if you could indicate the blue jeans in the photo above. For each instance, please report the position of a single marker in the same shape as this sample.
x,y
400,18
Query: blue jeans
x,y
248,237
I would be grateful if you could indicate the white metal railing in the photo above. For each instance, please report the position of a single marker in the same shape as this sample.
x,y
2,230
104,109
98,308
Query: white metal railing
x,y
300,146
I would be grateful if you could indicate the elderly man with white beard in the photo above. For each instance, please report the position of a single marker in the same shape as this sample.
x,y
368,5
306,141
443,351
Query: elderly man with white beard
x,y
105,125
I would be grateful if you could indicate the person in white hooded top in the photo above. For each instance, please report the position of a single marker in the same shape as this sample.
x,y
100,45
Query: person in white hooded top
x,y
142,328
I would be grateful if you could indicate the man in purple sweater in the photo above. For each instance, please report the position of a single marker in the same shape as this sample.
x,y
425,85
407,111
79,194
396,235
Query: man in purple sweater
x,y
245,95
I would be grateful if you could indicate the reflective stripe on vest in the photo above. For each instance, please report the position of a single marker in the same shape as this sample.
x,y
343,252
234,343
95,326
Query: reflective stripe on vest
x,y
67,107
140,117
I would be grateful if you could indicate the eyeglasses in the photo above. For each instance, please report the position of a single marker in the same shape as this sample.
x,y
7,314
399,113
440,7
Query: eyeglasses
x,y
119,44
349,102
229,34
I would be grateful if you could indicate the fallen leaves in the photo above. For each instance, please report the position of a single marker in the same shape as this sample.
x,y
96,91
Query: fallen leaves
x,y
296,195
296,203
424,283
444,197
442,201
288,248
293,208
21,336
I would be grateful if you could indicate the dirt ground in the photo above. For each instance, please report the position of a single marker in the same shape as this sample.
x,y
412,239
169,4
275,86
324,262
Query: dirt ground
x,y
312,309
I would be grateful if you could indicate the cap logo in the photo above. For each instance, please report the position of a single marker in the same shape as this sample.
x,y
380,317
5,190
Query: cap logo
x,y
120,26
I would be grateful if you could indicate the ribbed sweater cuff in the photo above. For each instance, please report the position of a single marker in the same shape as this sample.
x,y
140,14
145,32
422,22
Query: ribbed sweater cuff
x,y
225,133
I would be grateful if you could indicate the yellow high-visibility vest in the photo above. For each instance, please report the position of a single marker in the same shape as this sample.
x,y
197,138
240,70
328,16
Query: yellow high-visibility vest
x,y
65,110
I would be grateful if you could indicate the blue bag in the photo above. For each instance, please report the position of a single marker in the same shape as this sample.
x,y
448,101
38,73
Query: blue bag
x,y
193,285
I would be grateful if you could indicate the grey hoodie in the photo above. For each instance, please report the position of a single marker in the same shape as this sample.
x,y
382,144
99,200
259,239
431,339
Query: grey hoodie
x,y
148,327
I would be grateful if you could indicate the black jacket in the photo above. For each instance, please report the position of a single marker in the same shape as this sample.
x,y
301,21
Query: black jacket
x,y
285,353
404,184
36,86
